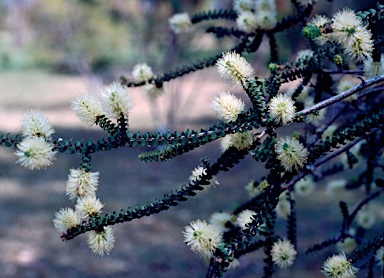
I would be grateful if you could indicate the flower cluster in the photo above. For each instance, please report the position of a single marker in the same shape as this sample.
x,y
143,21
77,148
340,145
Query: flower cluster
x,y
202,238
180,23
234,68
36,150
282,109
257,14
227,106
349,31
283,253
338,266
291,153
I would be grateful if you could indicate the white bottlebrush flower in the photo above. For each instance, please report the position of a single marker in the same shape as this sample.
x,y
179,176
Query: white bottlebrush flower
x,y
283,208
180,23
360,46
241,6
304,187
266,19
282,109
142,72
87,108
338,266
225,143
291,153
366,218
37,124
65,219
153,91
227,106
35,153
247,21
242,140
82,184
336,187
219,219
320,21
88,206
202,238
348,245
350,31
372,68
197,174
116,101
234,68
101,242
344,24
379,257
283,253
245,218
252,190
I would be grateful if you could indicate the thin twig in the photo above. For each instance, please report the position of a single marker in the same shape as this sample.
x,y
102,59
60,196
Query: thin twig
x,y
342,96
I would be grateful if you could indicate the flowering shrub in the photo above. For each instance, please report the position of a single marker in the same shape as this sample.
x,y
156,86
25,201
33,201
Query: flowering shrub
x,y
340,46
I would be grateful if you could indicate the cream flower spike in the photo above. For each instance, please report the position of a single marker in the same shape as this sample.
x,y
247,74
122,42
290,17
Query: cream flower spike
x,y
234,68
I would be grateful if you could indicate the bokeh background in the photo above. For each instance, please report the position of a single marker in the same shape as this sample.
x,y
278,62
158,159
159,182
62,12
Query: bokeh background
x,y
52,51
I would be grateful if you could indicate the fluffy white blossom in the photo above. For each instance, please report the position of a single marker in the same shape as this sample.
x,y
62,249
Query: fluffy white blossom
x,y
37,124
266,19
247,21
372,68
35,153
65,219
283,208
320,21
202,238
348,245
241,6
345,84
366,218
282,109
283,253
245,218
88,206
87,108
242,140
101,242
142,72
338,266
116,101
82,184
227,106
291,153
219,219
252,190
305,187
180,23
350,31
234,68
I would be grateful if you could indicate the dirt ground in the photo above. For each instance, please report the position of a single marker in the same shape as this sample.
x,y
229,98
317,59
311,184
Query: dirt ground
x,y
148,247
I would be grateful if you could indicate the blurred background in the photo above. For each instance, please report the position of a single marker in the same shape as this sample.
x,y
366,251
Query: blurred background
x,y
52,51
